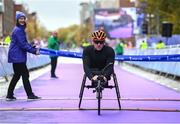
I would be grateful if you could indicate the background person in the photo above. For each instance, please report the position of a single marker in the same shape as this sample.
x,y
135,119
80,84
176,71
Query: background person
x,y
119,49
143,45
54,45
160,45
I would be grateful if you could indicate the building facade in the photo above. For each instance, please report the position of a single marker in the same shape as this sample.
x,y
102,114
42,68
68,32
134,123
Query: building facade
x,y
1,17
8,17
8,10
126,3
115,4
109,4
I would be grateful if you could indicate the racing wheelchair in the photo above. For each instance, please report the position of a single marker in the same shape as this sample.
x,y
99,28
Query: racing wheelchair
x,y
101,84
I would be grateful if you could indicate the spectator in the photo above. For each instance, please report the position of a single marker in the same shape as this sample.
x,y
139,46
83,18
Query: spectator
x,y
7,40
143,45
160,45
85,44
54,45
119,49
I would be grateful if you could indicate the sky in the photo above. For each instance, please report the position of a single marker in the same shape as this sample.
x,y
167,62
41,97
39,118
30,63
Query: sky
x,y
54,14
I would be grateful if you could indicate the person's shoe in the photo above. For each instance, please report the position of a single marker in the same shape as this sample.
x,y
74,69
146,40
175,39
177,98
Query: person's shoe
x,y
10,98
54,76
33,97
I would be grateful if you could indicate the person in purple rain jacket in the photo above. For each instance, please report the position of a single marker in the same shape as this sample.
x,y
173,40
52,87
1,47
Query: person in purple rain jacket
x,y
17,55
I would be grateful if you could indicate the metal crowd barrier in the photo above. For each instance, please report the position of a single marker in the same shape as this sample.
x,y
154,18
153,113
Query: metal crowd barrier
x,y
33,61
40,60
162,60
164,67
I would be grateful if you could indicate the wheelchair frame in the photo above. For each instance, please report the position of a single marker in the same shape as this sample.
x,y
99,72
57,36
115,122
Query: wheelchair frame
x,y
109,86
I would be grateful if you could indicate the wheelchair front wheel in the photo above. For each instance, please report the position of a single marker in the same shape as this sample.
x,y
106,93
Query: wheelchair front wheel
x,y
99,96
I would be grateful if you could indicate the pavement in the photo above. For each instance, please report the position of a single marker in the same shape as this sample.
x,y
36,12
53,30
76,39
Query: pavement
x,y
142,100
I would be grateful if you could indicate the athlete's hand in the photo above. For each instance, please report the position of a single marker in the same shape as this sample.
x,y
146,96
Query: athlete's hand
x,y
95,77
105,79
102,78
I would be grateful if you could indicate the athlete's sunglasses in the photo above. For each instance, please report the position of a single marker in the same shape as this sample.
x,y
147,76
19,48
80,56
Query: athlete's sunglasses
x,y
98,42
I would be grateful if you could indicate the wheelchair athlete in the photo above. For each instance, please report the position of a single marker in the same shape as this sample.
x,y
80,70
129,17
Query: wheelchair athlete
x,y
97,58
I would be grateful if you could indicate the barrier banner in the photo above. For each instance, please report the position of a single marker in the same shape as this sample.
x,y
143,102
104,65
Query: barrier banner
x,y
60,53
160,58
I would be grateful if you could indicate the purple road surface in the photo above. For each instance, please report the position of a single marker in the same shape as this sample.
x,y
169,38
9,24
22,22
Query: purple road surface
x,y
61,98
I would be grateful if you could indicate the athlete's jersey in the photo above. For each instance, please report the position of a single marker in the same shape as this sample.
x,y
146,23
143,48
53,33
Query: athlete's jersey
x,y
97,60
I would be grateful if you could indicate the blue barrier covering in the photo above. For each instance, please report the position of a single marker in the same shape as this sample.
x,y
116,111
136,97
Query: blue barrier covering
x,y
33,61
60,53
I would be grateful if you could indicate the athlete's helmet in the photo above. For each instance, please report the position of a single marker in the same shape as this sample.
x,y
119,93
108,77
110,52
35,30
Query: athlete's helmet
x,y
99,35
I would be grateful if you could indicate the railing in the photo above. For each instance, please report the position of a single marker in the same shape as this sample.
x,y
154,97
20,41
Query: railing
x,y
33,61
165,67
40,60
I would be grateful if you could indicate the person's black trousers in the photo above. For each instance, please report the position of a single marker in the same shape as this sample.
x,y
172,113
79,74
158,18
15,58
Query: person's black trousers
x,y
53,65
20,69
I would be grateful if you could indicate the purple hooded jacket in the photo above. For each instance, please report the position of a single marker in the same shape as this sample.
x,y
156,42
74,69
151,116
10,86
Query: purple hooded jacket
x,y
19,45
